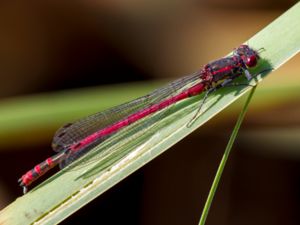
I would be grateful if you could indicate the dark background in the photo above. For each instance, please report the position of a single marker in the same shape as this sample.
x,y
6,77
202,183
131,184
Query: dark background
x,y
50,46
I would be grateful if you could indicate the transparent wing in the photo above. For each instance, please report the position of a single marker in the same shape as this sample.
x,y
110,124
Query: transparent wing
x,y
74,132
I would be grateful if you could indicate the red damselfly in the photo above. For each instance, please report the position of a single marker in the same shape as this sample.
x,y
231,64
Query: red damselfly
x,y
75,139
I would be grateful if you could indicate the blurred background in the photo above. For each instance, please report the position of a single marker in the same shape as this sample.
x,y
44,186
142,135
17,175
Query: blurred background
x,y
60,61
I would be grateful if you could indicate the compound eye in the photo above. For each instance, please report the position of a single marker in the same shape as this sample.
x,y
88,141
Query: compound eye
x,y
251,61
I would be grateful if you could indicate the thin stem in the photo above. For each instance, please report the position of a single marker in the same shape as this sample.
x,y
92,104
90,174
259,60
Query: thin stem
x,y
224,160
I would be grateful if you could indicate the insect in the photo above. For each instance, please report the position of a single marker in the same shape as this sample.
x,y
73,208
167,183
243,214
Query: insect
x,y
75,139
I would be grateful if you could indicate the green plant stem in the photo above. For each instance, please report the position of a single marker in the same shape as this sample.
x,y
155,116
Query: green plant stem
x,y
224,160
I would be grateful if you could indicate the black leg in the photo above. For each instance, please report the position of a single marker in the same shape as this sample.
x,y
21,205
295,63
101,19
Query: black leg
x,y
195,117
226,83
239,84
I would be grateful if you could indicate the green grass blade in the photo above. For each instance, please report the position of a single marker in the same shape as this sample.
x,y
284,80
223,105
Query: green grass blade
x,y
224,159
69,190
